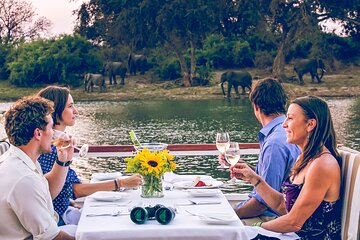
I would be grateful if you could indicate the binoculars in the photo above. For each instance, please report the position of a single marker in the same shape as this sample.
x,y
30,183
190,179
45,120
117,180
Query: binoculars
x,y
160,213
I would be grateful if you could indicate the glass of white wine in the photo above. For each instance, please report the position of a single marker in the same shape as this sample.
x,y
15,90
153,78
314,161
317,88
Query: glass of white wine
x,y
222,143
62,140
232,156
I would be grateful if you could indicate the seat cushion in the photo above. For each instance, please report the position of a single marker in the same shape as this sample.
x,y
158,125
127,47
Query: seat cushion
x,y
350,193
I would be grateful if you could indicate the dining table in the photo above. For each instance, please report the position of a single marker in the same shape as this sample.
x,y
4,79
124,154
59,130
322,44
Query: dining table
x,y
199,214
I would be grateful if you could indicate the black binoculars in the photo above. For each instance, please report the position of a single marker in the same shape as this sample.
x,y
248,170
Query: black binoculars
x,y
162,214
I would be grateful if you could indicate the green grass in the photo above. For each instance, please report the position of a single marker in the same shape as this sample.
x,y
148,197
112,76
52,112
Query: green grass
x,y
344,83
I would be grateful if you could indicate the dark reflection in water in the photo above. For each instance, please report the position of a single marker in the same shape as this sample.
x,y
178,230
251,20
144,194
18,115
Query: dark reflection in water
x,y
184,121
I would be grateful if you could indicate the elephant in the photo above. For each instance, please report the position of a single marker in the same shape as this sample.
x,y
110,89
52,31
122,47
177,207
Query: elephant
x,y
309,66
236,79
91,79
137,63
113,69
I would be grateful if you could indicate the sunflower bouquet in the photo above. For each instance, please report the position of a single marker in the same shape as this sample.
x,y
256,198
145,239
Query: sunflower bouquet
x,y
151,165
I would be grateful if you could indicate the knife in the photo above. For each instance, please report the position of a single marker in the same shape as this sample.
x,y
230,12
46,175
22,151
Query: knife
x,y
197,202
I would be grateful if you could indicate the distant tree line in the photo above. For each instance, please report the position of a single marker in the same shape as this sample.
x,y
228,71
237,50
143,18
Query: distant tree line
x,y
182,38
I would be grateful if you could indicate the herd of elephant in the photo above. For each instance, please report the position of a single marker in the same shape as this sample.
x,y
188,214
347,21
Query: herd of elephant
x,y
244,78
234,79
136,63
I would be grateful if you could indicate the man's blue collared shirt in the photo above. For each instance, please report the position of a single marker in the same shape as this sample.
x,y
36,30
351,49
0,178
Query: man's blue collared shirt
x,y
276,158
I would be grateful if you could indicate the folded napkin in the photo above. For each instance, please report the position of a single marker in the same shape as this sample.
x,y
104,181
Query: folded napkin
x,y
248,232
173,177
105,176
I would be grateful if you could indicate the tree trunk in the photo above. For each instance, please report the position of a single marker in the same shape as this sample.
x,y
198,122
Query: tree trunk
x,y
192,60
184,71
182,61
278,69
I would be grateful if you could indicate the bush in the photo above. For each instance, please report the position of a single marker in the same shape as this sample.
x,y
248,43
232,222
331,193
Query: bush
x,y
300,50
62,61
264,59
222,52
242,54
168,69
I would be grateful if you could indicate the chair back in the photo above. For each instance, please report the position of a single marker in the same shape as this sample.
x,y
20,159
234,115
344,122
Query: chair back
x,y
350,216
4,146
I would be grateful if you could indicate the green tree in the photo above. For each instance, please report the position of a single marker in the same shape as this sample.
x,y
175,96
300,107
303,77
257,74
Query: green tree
x,y
177,25
62,60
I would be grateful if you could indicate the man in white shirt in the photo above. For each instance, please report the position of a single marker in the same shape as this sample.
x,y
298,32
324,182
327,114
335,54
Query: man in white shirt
x,y
25,201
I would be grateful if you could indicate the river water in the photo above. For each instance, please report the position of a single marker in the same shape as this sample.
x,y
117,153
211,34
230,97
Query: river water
x,y
183,121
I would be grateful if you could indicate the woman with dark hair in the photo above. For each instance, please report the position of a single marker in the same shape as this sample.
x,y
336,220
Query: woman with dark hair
x,y
312,206
65,115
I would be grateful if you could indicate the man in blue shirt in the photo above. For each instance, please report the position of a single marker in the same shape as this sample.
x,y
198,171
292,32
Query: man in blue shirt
x,y
276,156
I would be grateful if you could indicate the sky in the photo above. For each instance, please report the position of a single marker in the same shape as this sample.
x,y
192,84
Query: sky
x,y
59,12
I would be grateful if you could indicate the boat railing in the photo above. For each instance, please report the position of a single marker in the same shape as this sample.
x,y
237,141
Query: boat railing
x,y
175,149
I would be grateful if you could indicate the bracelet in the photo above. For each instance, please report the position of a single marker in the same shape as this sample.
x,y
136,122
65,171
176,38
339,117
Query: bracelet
x,y
116,185
63,164
257,183
257,224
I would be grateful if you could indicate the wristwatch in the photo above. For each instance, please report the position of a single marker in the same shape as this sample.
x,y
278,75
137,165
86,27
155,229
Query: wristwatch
x,y
63,164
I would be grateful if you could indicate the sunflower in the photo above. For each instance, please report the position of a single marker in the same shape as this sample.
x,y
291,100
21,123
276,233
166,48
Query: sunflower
x,y
151,163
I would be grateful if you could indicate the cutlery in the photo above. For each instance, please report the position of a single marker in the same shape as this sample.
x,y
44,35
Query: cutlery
x,y
114,214
201,202
200,215
169,188
111,205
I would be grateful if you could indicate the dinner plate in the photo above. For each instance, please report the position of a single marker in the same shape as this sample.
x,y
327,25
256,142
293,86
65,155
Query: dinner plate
x,y
204,192
106,176
218,218
188,184
107,196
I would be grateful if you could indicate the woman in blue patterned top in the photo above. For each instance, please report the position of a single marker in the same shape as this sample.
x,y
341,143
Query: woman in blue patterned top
x,y
311,204
65,115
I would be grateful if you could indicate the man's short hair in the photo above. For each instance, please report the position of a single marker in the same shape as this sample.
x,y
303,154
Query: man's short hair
x,y
269,95
24,116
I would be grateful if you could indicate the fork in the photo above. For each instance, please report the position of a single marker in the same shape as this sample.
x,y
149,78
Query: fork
x,y
193,202
114,214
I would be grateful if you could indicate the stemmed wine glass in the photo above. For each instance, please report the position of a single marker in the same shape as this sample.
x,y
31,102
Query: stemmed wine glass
x,y
232,156
222,143
61,140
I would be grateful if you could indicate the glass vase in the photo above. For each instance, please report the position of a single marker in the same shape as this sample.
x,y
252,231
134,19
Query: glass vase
x,y
152,187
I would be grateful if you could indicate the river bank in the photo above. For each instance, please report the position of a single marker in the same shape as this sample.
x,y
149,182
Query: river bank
x,y
343,83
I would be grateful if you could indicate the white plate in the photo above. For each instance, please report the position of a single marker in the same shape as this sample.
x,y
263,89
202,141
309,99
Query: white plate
x,y
218,218
107,196
106,176
188,184
204,192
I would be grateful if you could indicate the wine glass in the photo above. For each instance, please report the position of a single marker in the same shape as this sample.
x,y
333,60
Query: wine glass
x,y
222,142
232,156
62,140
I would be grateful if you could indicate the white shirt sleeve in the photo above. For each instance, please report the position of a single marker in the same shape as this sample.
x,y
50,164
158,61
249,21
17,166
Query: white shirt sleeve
x,y
30,203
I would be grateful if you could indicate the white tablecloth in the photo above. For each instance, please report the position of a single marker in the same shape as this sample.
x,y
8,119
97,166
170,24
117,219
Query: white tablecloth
x,y
184,226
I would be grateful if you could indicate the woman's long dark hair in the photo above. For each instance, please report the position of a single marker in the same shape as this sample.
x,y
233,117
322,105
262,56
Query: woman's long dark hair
x,y
322,135
59,95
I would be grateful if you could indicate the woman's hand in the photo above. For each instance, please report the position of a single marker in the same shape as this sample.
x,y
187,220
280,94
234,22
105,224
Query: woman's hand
x,y
244,172
131,182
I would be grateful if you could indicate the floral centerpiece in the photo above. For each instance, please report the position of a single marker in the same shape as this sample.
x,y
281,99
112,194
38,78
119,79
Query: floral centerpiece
x,y
152,166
